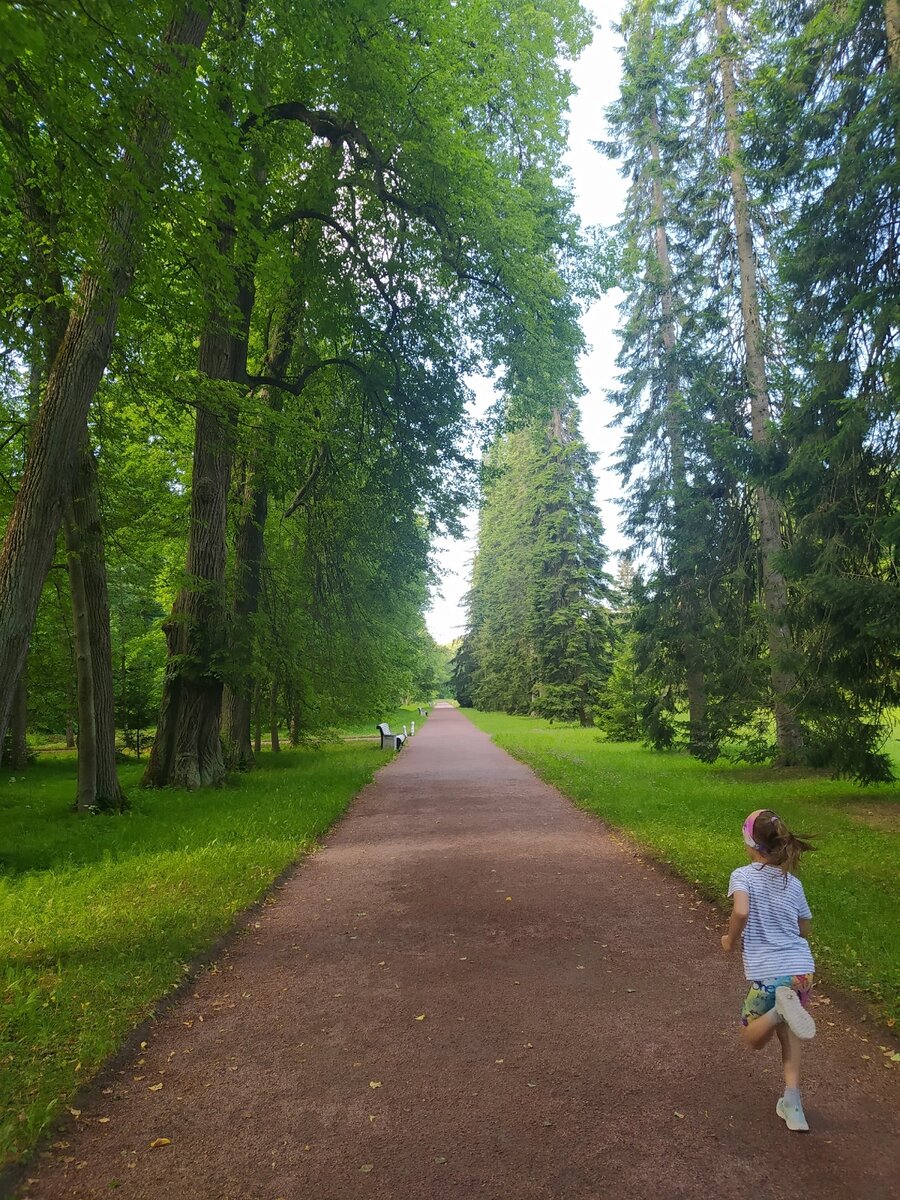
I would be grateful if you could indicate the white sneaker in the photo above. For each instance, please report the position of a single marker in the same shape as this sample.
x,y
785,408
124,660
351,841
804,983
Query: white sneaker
x,y
787,1004
792,1115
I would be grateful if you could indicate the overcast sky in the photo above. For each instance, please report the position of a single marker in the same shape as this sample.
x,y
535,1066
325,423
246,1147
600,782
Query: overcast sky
x,y
598,199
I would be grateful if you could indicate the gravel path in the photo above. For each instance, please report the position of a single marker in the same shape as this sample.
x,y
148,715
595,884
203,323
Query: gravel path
x,y
473,990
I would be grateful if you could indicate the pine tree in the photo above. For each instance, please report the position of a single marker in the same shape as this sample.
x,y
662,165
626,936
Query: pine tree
x,y
680,393
827,150
539,634
572,635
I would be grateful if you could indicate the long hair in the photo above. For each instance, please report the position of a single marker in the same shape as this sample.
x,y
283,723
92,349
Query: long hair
x,y
780,847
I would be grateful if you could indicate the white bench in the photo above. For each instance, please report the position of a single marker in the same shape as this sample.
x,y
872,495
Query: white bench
x,y
391,740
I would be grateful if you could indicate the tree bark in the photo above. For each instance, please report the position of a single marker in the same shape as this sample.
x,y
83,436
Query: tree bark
x,y
73,379
248,552
84,669
788,732
296,726
17,753
273,716
187,750
257,718
892,27
109,796
695,677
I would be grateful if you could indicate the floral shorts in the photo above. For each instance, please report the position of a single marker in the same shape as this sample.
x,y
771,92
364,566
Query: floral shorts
x,y
761,997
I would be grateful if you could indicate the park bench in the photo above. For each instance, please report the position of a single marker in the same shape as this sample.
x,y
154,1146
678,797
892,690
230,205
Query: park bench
x,y
390,739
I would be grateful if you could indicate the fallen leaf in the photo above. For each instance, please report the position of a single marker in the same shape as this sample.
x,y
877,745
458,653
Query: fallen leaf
x,y
155,1087
498,1060
547,1123
439,1158
895,1058
374,1083
680,1116
76,1112
366,1168
509,897
103,1120
157,1142
421,1018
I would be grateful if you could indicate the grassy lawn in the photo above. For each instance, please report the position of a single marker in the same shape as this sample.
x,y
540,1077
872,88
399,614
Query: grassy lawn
x,y
396,718
98,915
689,814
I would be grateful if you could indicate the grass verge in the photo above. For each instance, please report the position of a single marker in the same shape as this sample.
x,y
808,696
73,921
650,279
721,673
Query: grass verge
x,y
689,814
98,916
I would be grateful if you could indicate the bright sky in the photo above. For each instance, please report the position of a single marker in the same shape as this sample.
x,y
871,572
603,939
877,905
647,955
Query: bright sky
x,y
599,193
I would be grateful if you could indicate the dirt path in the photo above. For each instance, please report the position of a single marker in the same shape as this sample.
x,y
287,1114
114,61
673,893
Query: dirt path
x,y
578,1037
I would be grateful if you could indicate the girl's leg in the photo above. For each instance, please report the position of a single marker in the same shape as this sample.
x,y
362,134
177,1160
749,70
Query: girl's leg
x,y
790,1056
759,1032
790,1106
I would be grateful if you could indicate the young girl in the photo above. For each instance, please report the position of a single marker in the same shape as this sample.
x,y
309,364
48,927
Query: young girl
x,y
771,912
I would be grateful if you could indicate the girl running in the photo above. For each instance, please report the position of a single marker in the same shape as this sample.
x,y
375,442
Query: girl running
x,y
771,913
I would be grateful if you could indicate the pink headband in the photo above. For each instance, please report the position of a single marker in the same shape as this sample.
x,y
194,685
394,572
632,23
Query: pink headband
x,y
748,829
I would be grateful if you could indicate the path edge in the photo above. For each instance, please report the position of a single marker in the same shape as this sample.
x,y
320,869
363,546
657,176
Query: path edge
x,y
14,1174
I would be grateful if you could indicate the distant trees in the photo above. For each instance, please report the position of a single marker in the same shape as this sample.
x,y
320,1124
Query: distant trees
x,y
538,636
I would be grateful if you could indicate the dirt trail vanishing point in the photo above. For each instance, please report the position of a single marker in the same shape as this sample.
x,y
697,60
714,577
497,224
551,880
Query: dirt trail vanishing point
x,y
473,991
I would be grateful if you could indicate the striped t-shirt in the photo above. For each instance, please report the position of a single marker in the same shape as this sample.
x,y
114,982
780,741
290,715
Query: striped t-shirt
x,y
772,942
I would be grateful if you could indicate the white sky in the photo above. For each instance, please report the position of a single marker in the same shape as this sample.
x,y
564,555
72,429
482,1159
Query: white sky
x,y
599,194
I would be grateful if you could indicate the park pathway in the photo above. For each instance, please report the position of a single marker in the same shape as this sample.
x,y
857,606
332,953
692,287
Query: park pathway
x,y
474,991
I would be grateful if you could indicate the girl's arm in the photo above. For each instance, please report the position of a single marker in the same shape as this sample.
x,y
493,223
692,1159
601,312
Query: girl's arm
x,y
804,923
737,921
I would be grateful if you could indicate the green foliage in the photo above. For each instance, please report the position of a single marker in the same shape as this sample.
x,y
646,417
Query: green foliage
x,y
539,631
99,917
819,103
689,815
388,189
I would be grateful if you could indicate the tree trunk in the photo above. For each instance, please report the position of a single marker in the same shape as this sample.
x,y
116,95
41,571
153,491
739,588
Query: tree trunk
x,y
17,752
248,551
273,716
250,542
70,733
788,732
86,509
187,750
296,726
257,718
689,606
73,379
84,668
892,27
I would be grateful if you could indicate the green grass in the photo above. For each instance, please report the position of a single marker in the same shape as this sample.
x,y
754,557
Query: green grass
x,y
689,814
396,718
99,915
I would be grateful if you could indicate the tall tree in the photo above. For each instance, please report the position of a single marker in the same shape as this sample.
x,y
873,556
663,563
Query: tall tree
x,y
538,633
788,731
85,348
